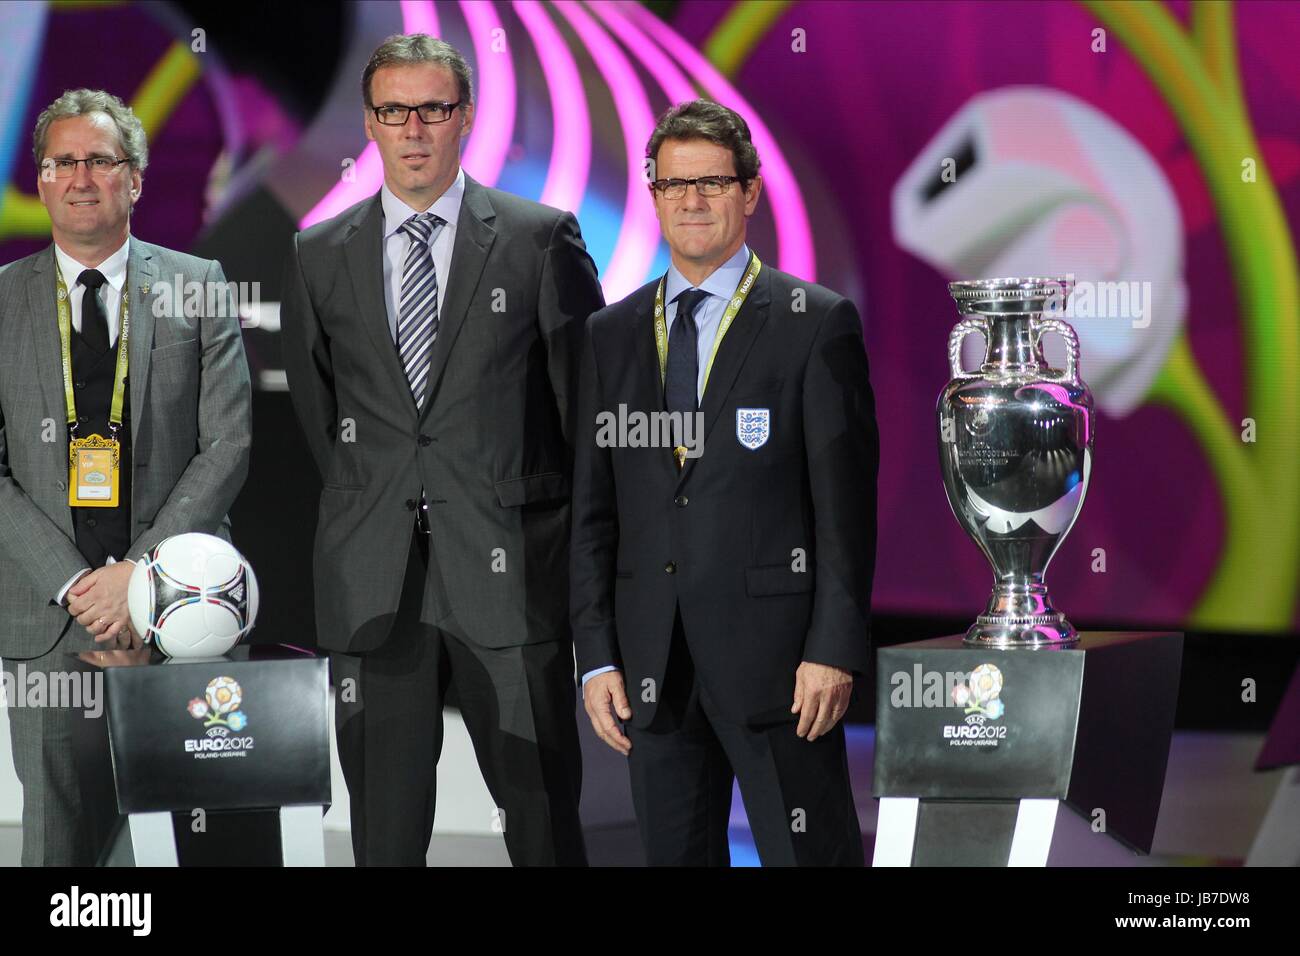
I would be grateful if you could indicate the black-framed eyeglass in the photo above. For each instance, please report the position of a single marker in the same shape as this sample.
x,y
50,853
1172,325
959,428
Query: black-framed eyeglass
x,y
65,168
707,186
429,113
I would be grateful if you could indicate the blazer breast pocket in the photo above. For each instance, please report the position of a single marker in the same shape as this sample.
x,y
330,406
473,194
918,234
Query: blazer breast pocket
x,y
175,354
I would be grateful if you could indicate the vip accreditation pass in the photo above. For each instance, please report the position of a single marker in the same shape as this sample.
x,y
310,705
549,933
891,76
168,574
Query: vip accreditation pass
x,y
94,464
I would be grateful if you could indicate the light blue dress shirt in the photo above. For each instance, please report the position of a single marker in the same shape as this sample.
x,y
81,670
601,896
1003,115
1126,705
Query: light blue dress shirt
x,y
720,285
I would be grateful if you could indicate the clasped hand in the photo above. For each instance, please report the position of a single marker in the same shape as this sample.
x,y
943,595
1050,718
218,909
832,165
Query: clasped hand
x,y
98,602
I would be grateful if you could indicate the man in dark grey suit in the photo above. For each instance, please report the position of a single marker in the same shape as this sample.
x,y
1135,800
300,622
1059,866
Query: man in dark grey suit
x,y
184,429
432,335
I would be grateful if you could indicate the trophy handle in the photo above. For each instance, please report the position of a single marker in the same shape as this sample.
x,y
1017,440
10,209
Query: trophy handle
x,y
959,331
1065,331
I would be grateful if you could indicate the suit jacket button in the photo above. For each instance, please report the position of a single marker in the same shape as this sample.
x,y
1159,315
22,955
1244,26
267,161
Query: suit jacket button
x,y
670,567
681,501
425,441
410,504
61,486
92,522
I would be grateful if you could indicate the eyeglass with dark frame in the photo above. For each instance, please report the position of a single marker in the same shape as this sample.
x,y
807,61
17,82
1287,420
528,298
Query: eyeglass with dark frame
x,y
708,186
394,114
66,167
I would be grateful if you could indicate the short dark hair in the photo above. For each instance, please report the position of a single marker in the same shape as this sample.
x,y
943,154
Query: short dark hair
x,y
705,119
403,49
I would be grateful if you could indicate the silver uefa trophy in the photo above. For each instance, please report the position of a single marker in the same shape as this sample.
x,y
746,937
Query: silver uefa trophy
x,y
1015,444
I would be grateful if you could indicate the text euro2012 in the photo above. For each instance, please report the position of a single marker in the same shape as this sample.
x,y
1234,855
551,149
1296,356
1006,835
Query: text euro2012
x,y
219,743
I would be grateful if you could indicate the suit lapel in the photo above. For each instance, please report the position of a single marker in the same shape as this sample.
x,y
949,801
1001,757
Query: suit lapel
x,y
364,254
731,356
141,274
650,388
475,235
41,290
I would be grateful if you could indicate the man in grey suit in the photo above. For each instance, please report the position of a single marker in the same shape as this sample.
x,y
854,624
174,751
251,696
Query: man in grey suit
x,y
432,335
172,389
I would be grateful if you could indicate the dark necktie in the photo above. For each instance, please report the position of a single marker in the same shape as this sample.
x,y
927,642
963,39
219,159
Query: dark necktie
x,y
682,376
94,324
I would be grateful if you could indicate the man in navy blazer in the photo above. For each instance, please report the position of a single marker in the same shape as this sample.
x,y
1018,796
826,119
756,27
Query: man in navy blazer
x,y
721,586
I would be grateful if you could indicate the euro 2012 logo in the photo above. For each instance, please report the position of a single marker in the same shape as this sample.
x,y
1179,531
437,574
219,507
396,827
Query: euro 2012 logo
x,y
220,705
979,695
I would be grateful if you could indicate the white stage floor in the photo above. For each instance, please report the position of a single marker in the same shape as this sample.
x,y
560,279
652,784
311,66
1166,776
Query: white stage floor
x,y
1212,807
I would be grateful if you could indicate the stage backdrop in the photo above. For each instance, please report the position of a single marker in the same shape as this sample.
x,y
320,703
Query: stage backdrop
x,y
1150,150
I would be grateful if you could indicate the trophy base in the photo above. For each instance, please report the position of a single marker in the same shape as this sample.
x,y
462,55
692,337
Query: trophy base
x,y
1042,630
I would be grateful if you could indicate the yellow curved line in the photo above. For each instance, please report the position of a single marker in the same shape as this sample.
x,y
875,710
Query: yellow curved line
x,y
1215,35
735,37
23,215
1196,75
165,86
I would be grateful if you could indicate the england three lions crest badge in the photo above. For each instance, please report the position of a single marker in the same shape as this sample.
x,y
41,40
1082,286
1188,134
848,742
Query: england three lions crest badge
x,y
753,427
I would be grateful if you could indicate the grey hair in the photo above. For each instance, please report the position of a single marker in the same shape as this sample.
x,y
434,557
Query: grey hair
x,y
73,103
401,49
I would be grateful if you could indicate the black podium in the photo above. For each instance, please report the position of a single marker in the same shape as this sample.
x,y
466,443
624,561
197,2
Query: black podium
x,y
1277,843
976,748
212,762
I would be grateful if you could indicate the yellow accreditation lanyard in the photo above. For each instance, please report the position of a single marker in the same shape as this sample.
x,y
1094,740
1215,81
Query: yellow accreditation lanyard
x,y
93,462
733,308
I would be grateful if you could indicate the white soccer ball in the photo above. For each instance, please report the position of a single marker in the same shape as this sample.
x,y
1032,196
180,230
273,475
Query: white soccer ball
x,y
193,595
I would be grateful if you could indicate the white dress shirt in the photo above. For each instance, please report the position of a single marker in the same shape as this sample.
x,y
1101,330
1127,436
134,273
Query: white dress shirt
x,y
110,293
110,299
397,242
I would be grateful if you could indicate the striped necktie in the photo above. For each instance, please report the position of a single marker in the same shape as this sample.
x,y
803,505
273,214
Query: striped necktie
x,y
417,311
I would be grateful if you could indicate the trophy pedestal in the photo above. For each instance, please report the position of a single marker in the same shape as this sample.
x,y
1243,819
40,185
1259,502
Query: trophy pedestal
x,y
167,788
977,747
1278,841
